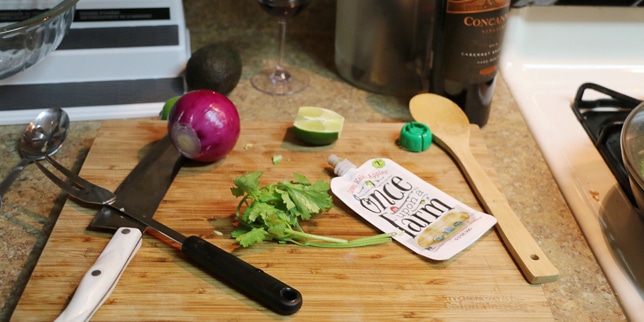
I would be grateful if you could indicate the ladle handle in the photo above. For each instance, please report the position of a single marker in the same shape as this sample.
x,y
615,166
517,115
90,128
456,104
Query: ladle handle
x,y
533,262
11,177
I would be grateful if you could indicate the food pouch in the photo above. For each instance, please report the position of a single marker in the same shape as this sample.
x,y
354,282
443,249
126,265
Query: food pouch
x,y
423,218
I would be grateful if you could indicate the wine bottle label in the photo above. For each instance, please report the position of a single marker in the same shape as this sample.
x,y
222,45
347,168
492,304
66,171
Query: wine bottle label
x,y
474,32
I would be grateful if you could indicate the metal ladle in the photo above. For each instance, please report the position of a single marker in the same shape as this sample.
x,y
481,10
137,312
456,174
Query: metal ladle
x,y
42,137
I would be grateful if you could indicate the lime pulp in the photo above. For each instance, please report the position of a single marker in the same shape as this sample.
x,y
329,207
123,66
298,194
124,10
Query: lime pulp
x,y
317,125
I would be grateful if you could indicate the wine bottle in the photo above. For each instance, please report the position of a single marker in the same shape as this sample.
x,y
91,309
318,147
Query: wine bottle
x,y
467,54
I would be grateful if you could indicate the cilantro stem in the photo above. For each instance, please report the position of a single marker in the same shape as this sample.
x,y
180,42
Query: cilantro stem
x,y
315,237
377,238
360,242
371,240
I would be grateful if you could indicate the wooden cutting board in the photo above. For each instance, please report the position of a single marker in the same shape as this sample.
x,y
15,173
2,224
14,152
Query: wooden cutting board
x,y
380,283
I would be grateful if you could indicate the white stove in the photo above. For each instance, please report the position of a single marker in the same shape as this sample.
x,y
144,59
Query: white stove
x,y
548,53
120,59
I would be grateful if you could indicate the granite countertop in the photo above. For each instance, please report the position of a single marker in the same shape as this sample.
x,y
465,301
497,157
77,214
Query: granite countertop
x,y
31,207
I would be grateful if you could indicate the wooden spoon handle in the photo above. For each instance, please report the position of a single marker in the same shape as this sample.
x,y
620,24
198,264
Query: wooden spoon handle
x,y
533,262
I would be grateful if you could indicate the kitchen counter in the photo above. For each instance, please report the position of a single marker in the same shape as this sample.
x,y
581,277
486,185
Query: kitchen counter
x,y
31,206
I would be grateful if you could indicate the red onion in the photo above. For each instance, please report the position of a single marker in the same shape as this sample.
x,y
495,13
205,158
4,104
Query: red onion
x,y
204,125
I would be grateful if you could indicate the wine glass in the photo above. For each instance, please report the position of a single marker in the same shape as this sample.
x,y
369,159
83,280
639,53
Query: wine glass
x,y
278,80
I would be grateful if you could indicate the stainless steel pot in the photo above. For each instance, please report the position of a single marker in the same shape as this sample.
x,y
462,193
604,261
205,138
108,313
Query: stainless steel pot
x,y
385,46
632,144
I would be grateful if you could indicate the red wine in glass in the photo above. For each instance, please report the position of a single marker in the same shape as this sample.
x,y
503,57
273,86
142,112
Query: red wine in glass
x,y
283,8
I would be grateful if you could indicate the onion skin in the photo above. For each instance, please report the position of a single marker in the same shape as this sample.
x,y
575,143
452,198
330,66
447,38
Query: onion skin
x,y
204,125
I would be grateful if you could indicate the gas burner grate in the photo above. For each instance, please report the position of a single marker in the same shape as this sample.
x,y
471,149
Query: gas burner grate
x,y
603,119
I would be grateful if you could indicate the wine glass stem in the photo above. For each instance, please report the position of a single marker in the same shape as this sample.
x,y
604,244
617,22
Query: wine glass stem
x,y
280,73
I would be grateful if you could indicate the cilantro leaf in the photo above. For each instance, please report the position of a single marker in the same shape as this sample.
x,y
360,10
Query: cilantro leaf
x,y
247,184
271,212
302,179
250,237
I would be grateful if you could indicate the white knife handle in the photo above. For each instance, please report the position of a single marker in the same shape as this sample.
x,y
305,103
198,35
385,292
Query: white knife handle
x,y
99,281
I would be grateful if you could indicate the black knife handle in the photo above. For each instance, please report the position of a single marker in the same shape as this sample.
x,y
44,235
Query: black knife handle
x,y
244,277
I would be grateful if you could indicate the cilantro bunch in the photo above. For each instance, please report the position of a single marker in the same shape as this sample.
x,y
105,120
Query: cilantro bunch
x,y
273,212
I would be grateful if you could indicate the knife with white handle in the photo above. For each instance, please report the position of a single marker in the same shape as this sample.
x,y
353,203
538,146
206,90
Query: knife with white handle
x,y
99,281
143,188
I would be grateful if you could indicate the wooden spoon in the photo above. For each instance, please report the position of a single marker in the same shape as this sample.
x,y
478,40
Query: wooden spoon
x,y
451,131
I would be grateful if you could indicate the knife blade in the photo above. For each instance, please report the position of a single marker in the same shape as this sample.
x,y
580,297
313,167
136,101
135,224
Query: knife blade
x,y
144,188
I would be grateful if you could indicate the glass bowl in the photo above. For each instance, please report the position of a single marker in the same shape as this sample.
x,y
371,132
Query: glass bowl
x,y
37,28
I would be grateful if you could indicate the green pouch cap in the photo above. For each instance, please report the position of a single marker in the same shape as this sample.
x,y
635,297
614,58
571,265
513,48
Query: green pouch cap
x,y
415,137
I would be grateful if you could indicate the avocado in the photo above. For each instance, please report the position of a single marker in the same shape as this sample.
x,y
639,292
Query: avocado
x,y
215,67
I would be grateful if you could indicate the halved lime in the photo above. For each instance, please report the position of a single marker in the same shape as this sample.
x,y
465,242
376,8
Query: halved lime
x,y
167,107
317,125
